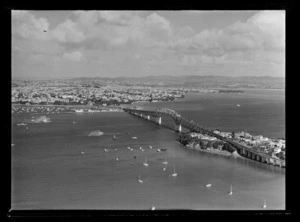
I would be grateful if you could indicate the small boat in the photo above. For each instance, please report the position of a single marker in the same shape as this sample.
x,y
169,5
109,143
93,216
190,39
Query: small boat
x,y
131,149
82,152
134,137
265,204
116,149
128,148
106,150
165,162
27,128
238,105
150,147
74,122
230,193
208,185
140,148
174,174
12,144
164,169
114,137
158,150
152,208
117,159
79,110
145,163
141,181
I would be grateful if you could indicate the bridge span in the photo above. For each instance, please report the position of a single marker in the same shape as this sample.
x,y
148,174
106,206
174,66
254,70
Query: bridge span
x,y
180,121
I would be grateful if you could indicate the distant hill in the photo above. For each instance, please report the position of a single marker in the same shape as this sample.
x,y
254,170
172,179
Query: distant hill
x,y
193,79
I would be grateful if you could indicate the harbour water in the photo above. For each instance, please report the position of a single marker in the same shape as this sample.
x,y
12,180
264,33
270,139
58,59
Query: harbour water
x,y
56,165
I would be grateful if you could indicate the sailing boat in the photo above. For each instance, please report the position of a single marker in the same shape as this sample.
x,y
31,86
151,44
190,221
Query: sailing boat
x,y
140,179
165,162
174,174
145,164
230,193
265,204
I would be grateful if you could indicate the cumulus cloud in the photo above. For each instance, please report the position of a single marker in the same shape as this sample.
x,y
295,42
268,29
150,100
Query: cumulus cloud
x,y
149,37
265,31
73,56
28,26
68,31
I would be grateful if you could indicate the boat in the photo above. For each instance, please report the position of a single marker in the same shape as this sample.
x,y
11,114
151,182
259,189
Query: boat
x,y
79,110
21,124
106,150
238,105
141,181
230,193
117,159
140,148
164,169
134,137
145,163
265,204
208,185
82,152
174,174
114,137
165,162
158,150
150,147
152,208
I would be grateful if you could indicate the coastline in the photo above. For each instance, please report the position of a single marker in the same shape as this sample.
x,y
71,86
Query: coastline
x,y
215,151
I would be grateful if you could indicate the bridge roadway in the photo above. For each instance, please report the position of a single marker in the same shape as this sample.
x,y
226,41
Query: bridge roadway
x,y
195,127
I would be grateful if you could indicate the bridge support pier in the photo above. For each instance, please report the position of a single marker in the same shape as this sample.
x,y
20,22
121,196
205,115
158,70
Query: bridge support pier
x,y
178,128
257,157
157,120
249,154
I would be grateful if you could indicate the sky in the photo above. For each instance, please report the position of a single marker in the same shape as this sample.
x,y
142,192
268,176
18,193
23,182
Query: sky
x,y
68,44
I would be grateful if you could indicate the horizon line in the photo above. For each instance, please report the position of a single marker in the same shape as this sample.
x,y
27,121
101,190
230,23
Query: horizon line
x,y
107,77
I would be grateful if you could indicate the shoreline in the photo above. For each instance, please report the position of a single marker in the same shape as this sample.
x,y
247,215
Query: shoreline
x,y
214,151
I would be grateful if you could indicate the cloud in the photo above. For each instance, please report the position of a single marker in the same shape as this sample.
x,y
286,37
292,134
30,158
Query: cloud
x,y
73,56
28,26
68,31
262,33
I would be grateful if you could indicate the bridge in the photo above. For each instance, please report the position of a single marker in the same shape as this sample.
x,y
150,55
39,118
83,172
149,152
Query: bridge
x,y
180,122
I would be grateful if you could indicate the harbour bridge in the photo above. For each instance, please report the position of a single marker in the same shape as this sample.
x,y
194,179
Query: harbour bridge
x,y
180,122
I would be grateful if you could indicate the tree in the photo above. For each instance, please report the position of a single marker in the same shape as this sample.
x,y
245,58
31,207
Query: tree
x,y
215,145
